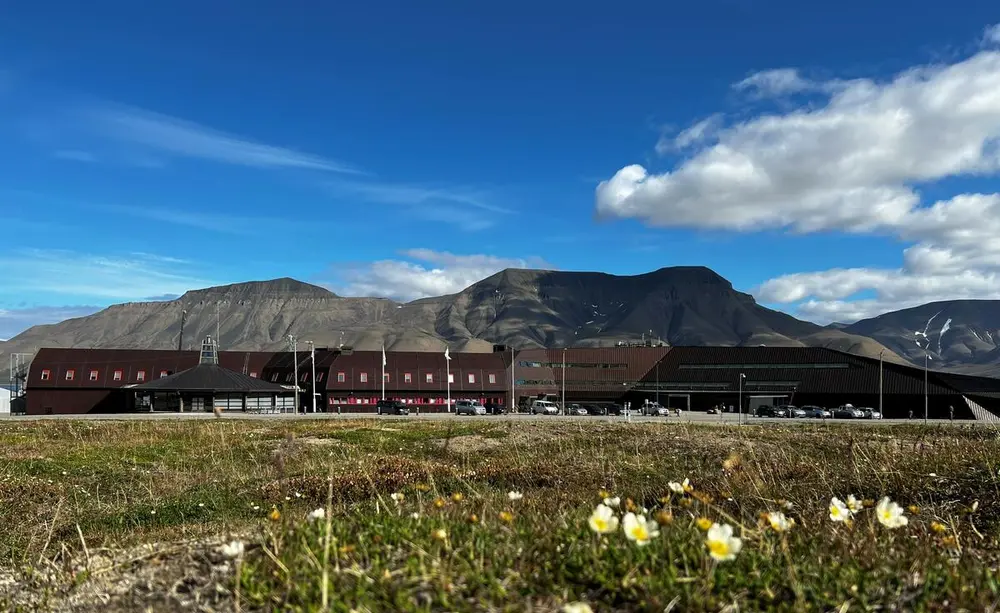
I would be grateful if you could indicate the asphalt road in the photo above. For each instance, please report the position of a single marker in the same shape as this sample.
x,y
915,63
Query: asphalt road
x,y
686,417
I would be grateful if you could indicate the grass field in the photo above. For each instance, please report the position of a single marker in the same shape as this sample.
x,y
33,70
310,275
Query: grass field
x,y
413,515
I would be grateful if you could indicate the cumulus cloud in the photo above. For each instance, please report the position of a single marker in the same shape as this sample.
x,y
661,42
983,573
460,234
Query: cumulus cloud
x,y
781,82
849,164
424,272
696,134
991,36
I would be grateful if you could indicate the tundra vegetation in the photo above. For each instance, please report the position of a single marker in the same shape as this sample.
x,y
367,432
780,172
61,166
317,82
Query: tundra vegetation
x,y
409,515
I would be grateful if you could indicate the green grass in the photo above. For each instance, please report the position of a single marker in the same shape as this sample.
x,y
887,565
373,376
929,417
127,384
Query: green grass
x,y
118,485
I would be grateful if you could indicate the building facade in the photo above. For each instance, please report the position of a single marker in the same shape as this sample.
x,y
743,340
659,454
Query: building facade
x,y
689,378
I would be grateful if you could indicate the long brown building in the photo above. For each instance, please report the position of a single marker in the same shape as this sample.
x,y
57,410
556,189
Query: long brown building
x,y
690,378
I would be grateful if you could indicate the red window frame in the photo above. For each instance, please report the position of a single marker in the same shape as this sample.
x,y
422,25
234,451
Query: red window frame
x,y
253,374
407,377
94,375
163,373
493,378
341,377
140,376
118,375
319,376
472,377
70,374
46,373
429,377
364,377
386,378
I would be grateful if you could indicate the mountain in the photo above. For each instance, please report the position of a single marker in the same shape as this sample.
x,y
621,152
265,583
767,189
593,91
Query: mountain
x,y
962,335
522,308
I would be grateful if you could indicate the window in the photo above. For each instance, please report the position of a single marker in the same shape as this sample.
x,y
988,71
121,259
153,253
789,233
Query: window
x,y
140,376
46,374
163,373
319,376
289,377
451,378
274,377
340,377
407,378
304,376
118,375
364,377
493,378
93,375
472,377
70,374
385,377
822,365
429,378
253,375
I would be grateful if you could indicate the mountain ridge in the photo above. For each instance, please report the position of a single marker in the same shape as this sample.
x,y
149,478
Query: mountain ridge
x,y
684,305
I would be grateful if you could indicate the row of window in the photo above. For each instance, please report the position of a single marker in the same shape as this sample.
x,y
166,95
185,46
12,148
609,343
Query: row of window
x,y
375,399
529,364
387,377
117,375
823,365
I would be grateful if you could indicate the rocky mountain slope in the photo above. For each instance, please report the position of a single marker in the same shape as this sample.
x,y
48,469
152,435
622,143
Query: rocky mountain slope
x,y
960,335
523,308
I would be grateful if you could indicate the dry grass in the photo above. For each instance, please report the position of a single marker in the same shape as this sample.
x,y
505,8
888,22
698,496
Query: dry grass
x,y
124,515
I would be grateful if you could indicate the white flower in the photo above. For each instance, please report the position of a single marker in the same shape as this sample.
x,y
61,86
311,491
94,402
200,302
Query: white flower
x,y
397,497
680,488
853,504
232,549
603,520
640,530
319,513
890,514
415,515
514,496
577,607
613,502
298,494
201,504
721,543
778,521
838,510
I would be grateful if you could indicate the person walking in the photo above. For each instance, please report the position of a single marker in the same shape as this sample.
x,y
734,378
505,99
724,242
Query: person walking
x,y
911,413
951,413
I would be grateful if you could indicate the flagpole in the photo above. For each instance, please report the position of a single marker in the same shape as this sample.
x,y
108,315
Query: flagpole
x,y
447,365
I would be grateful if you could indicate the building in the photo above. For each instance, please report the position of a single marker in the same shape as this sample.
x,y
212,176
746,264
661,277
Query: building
x,y
690,378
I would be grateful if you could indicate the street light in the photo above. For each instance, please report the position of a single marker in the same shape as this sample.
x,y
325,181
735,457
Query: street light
x,y
880,412
565,409
740,399
312,359
294,344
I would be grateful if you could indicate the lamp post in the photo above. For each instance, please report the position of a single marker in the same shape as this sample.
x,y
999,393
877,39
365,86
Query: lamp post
x,y
880,412
927,357
565,409
294,344
312,359
739,399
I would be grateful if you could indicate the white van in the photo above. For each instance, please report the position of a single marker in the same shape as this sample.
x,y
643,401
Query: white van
x,y
544,407
469,407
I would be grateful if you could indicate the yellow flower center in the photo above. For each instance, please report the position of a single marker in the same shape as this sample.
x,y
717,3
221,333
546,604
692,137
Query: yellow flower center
x,y
718,548
640,533
600,523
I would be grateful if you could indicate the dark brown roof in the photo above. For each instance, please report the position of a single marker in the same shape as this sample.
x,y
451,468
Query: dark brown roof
x,y
210,378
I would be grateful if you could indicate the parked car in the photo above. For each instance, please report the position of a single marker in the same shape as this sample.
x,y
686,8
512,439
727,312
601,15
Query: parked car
x,y
815,411
654,409
392,407
493,408
544,407
766,411
576,409
613,408
847,411
595,409
870,413
793,411
469,407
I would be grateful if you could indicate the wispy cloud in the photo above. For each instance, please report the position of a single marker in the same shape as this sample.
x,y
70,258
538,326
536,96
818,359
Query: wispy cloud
x,y
97,278
414,195
15,321
178,137
75,155
222,223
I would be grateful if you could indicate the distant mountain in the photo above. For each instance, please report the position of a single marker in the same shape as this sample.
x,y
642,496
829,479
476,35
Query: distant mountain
x,y
962,335
522,308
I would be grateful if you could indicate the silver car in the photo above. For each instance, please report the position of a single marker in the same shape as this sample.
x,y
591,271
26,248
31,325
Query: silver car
x,y
818,412
469,407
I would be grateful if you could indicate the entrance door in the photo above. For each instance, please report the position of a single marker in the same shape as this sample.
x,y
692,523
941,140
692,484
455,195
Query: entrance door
x,y
679,401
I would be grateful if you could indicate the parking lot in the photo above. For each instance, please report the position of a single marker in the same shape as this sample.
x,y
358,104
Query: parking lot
x,y
696,417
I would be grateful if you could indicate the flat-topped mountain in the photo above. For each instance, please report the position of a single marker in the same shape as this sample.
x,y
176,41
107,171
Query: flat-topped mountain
x,y
522,308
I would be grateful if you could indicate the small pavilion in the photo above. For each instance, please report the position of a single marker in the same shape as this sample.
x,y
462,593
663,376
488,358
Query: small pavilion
x,y
208,386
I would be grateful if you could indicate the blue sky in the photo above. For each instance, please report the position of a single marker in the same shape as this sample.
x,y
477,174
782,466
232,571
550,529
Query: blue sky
x,y
406,149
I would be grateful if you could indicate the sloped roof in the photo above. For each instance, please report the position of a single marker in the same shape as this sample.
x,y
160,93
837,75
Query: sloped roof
x,y
210,378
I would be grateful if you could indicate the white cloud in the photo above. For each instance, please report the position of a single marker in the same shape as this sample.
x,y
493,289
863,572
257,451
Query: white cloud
x,y
696,134
849,165
75,155
95,277
187,139
426,273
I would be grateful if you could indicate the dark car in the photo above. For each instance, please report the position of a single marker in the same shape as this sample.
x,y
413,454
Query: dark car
x,y
493,408
391,407
766,411
595,409
613,408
